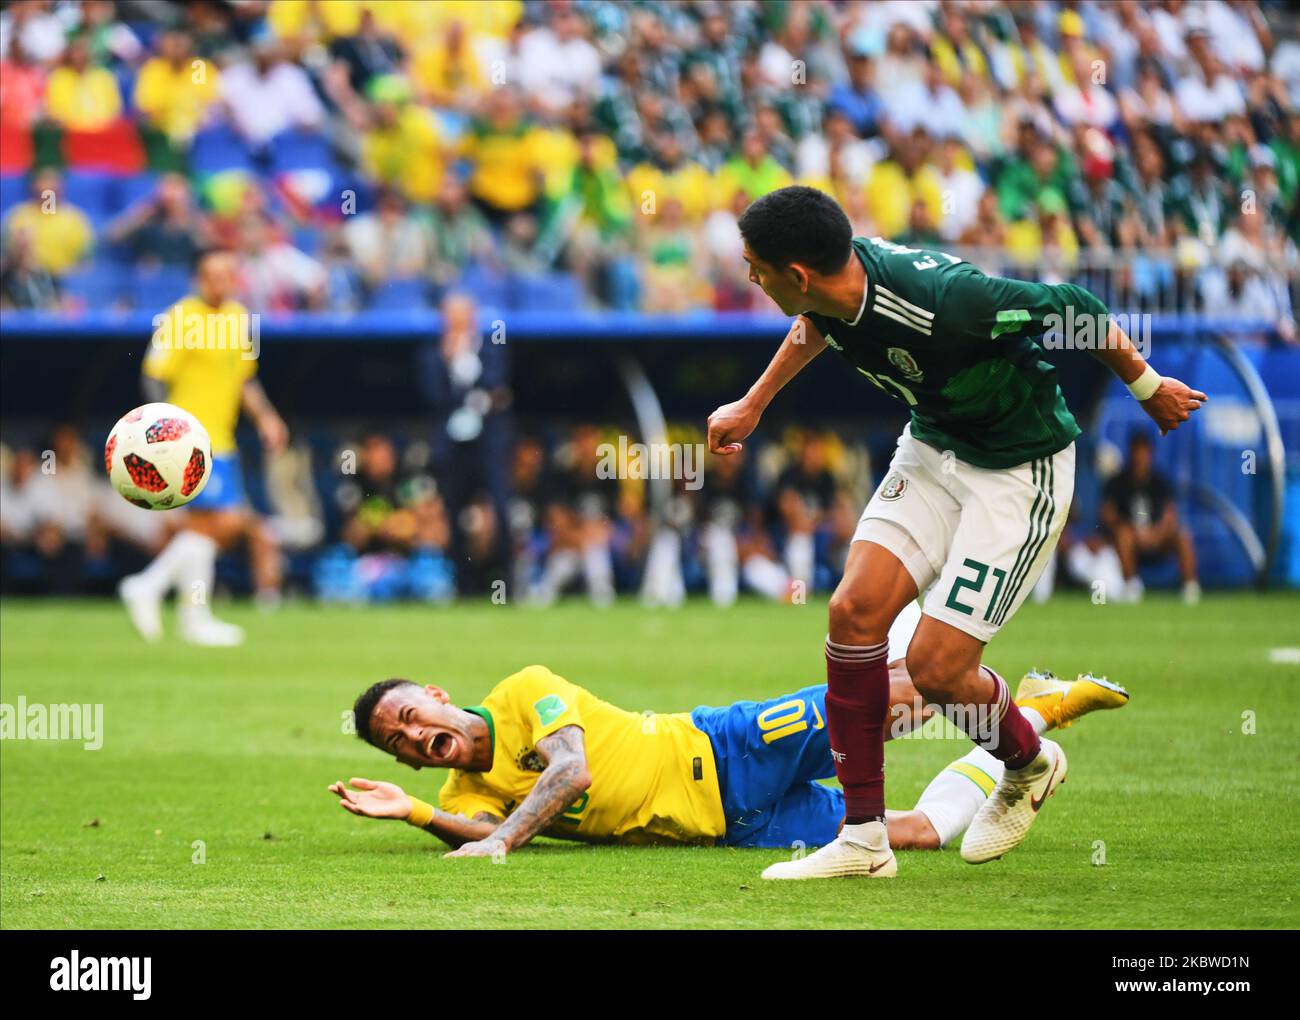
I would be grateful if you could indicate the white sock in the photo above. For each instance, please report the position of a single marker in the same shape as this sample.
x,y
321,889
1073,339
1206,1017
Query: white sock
x,y
721,557
872,835
195,577
766,577
598,570
957,793
800,557
561,567
663,585
163,572
1035,720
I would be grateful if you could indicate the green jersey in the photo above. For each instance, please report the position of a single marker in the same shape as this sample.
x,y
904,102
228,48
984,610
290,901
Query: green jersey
x,y
958,347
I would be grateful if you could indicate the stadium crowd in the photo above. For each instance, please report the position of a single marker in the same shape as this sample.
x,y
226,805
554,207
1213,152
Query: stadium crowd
x,y
497,154
547,154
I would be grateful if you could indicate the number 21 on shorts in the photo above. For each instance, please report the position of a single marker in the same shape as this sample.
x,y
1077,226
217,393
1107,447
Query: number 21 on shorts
x,y
983,572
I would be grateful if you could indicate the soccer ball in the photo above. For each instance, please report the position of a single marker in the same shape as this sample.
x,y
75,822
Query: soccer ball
x,y
158,456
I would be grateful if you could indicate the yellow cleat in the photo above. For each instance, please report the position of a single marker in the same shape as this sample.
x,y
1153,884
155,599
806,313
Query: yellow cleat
x,y
1061,702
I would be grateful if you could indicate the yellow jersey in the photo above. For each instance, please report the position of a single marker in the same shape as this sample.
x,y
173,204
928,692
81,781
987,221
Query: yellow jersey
x,y
653,776
204,355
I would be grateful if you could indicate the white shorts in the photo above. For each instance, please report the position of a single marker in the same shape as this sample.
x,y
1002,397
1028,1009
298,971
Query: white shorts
x,y
974,539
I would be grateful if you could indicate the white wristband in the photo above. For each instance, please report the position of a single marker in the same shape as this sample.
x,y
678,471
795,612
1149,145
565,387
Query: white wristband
x,y
1146,384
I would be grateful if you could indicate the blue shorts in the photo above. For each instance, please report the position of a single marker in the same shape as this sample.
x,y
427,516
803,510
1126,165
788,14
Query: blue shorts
x,y
770,755
225,488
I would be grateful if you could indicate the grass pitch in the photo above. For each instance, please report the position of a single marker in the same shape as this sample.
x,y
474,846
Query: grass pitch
x,y
206,805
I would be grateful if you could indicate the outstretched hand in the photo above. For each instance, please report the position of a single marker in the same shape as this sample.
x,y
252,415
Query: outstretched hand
x,y
373,800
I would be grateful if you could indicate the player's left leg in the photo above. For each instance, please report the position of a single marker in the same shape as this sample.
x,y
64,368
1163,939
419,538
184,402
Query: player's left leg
x,y
1010,522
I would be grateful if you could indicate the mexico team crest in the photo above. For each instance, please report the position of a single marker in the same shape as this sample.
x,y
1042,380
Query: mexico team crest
x,y
893,486
905,363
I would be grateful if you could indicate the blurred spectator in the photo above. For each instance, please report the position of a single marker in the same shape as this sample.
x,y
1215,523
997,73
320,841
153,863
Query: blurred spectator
x,y
277,277
1140,516
465,379
753,171
930,103
802,498
897,183
857,99
269,94
36,25
387,244
367,52
51,510
59,234
1207,92
449,71
556,63
165,228
503,150
394,526
460,233
80,95
24,284
400,147
578,516
176,88
22,86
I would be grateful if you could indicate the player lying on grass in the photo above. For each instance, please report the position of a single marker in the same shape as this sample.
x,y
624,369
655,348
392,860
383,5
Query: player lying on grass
x,y
544,756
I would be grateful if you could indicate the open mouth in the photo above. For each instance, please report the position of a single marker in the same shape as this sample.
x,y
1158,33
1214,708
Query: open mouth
x,y
441,746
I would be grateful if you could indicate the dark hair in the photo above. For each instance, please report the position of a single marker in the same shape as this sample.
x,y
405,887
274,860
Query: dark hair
x,y
365,706
1139,437
798,224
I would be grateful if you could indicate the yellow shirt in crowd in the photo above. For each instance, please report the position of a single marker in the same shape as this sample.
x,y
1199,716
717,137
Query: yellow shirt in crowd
x,y
59,239
175,99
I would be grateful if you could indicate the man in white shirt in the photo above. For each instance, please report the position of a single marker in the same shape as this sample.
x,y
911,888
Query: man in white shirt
x,y
269,94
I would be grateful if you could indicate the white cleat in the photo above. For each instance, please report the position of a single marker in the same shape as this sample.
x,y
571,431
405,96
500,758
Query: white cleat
x,y
1004,819
212,633
846,857
143,606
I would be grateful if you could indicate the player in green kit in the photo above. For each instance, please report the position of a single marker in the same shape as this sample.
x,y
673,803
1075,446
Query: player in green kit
x,y
973,503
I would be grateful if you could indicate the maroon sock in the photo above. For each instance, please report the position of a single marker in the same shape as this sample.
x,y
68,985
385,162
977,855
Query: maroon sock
x,y
1008,735
857,704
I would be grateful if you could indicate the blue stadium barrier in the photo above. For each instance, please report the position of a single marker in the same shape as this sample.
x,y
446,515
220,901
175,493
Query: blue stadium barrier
x,y
13,189
401,295
219,148
94,193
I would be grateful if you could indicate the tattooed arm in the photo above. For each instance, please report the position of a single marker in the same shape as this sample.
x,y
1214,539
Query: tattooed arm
x,y
560,784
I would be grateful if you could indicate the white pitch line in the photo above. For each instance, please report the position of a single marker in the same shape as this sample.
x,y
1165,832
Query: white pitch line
x,y
1284,656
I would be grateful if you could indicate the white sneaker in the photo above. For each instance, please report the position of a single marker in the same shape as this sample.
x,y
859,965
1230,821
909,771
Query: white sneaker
x,y
211,633
143,605
1004,819
863,853
1191,593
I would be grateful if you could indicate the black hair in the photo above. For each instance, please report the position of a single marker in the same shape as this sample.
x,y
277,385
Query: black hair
x,y
1139,437
365,705
798,224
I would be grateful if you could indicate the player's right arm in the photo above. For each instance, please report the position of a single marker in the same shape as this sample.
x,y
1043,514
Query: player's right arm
x,y
732,423
388,800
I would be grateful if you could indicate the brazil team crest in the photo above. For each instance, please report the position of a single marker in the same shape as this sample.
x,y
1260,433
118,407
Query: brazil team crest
x,y
905,363
893,486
